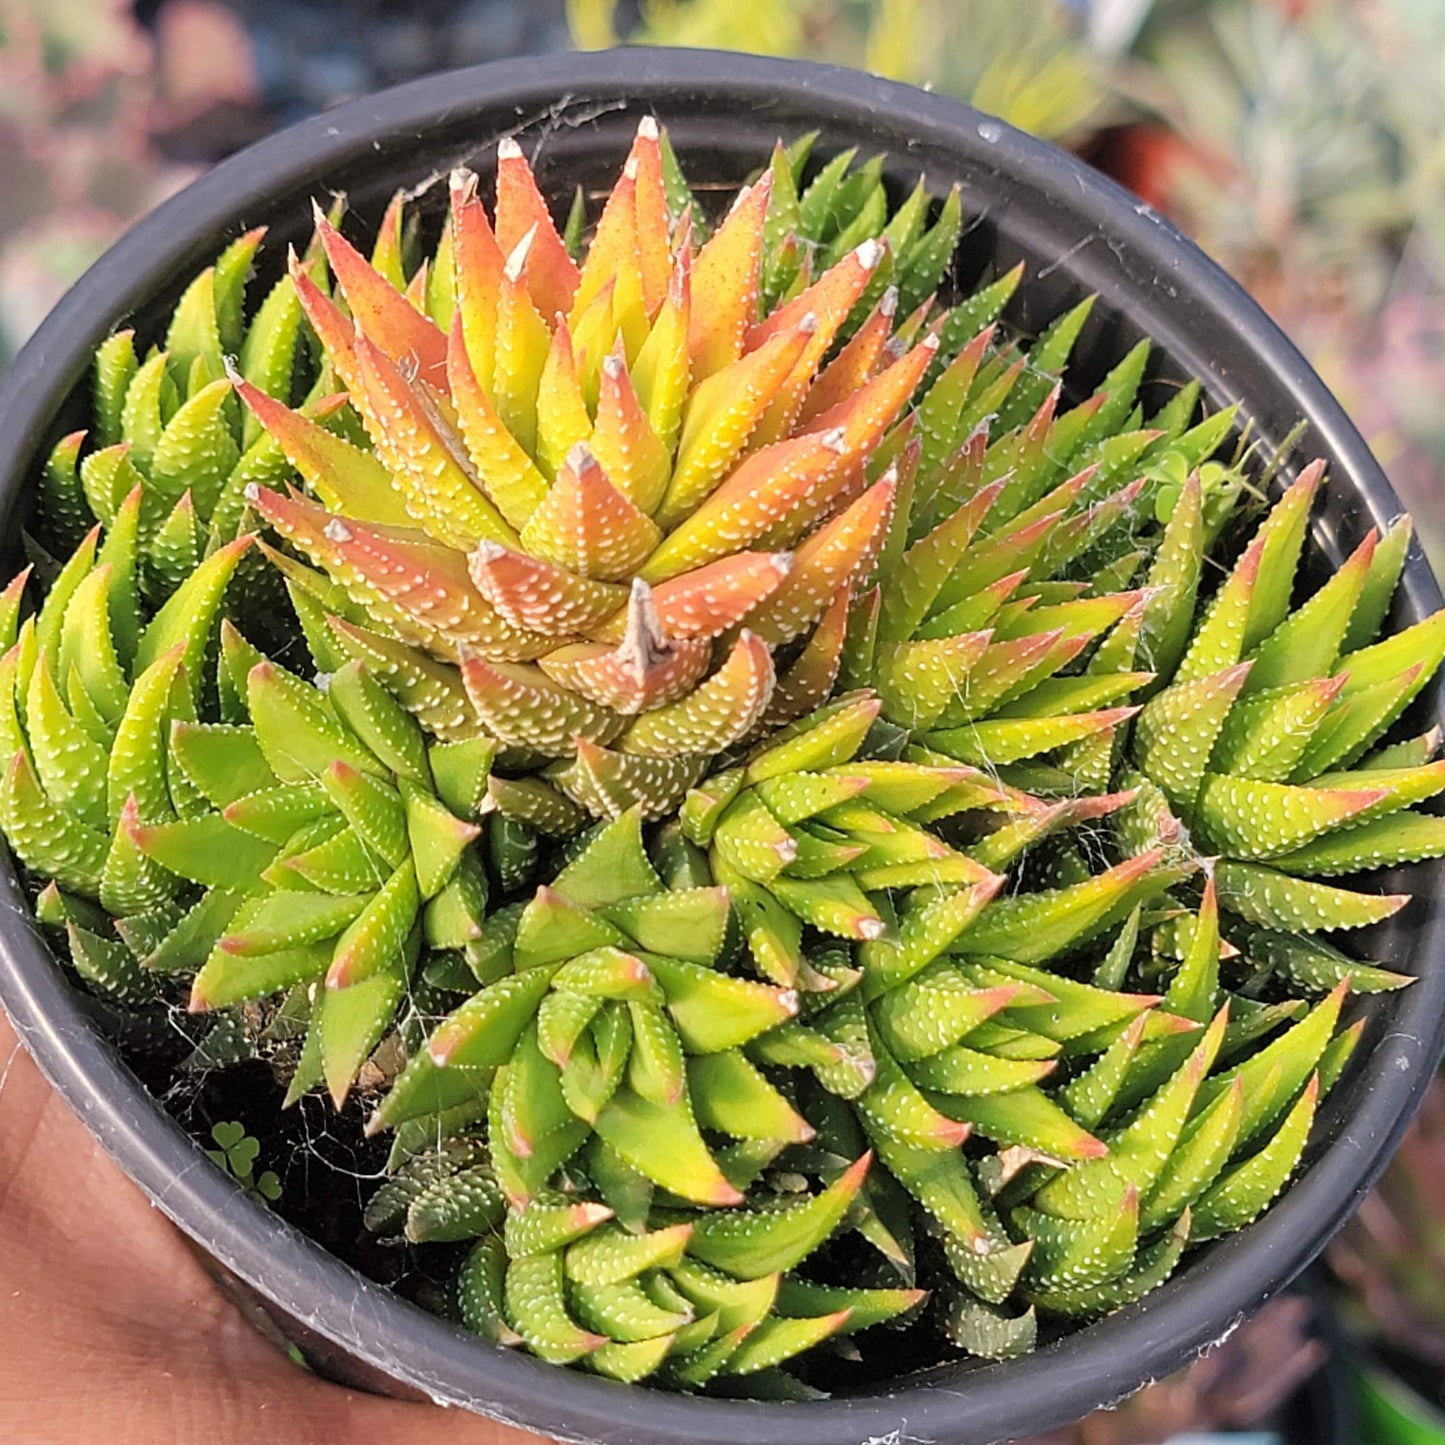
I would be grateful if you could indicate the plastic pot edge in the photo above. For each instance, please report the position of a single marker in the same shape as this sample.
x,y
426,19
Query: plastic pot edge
x,y
309,1286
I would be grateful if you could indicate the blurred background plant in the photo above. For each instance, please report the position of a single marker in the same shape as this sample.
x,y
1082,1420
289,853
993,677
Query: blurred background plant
x,y
76,81
1027,61
1267,1378
1390,1263
1302,142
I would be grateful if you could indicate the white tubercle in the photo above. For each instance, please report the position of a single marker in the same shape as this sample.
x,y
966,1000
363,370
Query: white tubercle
x,y
337,531
809,324
629,168
251,492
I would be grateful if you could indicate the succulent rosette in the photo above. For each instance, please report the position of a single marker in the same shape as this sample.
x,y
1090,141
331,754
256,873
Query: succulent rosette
x,y
800,821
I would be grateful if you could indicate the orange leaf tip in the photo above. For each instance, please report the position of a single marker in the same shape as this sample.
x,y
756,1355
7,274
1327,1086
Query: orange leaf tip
x,y
637,971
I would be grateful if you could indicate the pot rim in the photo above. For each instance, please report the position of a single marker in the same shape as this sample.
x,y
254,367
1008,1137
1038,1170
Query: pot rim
x,y
952,1403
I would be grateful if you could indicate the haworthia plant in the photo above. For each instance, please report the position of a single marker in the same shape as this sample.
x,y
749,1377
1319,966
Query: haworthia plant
x,y
797,820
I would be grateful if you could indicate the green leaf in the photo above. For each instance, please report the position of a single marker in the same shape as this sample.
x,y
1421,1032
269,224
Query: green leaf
x,y
748,1245
663,1143
1246,1190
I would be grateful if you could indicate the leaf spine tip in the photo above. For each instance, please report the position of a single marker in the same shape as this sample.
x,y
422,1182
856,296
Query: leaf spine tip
x,y
517,261
869,254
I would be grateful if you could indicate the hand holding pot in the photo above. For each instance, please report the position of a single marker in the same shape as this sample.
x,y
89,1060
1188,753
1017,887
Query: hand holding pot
x,y
111,1330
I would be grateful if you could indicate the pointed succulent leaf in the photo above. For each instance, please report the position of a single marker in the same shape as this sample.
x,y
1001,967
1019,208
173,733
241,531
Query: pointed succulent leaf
x,y
689,923
46,838
749,1244
1253,820
481,1286
1031,928
716,714
1246,1190
612,866
663,1143
537,1309
986,1261
484,1031
1152,1267
731,1095
713,1011
1384,575
1274,1075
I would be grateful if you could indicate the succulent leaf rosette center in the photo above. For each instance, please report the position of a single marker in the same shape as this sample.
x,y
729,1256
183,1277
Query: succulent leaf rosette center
x,y
611,492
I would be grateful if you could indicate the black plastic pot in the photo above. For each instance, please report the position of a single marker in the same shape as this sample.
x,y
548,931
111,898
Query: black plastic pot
x,y
1078,233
